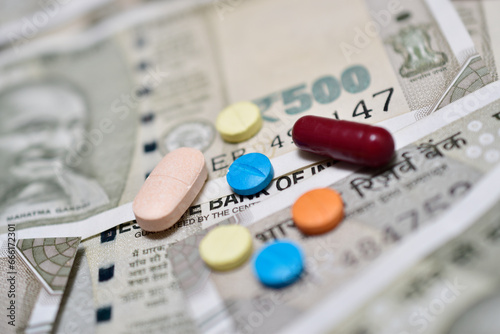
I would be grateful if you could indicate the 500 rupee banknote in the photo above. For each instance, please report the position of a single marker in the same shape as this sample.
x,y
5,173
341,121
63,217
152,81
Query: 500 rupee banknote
x,y
438,161
120,95
129,270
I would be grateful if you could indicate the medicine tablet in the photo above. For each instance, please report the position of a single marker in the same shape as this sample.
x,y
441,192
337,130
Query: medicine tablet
x,y
358,143
170,189
279,264
318,211
250,173
226,247
239,122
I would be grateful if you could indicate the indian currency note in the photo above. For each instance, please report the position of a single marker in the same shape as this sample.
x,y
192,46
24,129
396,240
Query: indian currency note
x,y
151,244
56,144
439,160
33,279
360,65
482,25
148,81
451,287
144,91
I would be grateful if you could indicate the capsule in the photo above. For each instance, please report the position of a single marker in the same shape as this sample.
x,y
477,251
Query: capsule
x,y
353,142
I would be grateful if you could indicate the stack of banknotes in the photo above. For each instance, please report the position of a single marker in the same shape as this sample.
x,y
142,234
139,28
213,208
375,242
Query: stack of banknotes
x,y
93,94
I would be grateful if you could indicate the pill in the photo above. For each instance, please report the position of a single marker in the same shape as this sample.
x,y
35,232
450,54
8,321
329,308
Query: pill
x,y
239,122
353,142
170,189
250,173
318,211
226,247
279,264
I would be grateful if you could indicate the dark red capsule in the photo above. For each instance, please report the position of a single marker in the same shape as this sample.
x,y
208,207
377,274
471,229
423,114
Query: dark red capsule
x,y
353,142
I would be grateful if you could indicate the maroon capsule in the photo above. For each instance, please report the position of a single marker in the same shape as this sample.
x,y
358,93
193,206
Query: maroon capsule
x,y
353,142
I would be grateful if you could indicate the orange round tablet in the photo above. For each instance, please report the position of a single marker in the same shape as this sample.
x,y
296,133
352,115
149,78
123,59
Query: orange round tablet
x,y
318,211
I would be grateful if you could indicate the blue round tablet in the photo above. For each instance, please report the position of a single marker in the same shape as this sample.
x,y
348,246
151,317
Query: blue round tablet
x,y
279,264
250,173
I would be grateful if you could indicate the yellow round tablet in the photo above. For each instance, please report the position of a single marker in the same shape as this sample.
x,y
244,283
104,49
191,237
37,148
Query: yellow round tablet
x,y
226,247
318,211
239,122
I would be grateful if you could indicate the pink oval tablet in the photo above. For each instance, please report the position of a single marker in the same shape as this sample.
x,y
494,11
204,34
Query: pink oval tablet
x,y
170,189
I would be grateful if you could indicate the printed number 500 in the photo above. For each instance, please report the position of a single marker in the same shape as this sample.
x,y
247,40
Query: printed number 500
x,y
327,89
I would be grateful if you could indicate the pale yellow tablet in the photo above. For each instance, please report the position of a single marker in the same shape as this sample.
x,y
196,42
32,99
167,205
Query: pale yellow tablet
x,y
239,122
226,247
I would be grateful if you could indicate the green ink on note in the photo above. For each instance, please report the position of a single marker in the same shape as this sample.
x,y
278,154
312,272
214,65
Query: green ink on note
x,y
414,44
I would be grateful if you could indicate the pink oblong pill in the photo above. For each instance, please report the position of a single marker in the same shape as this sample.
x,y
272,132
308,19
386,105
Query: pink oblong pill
x,y
354,142
170,189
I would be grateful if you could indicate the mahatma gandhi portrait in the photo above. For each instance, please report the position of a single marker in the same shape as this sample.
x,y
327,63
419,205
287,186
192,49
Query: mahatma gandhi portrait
x,y
40,122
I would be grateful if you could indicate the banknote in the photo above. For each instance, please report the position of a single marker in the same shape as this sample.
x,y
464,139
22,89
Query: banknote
x,y
111,257
150,80
478,17
50,108
68,176
439,160
454,288
34,275
23,22
358,66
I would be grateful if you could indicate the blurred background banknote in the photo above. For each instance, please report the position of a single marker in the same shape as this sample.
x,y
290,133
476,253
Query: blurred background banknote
x,y
93,109
153,79
33,278
22,22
